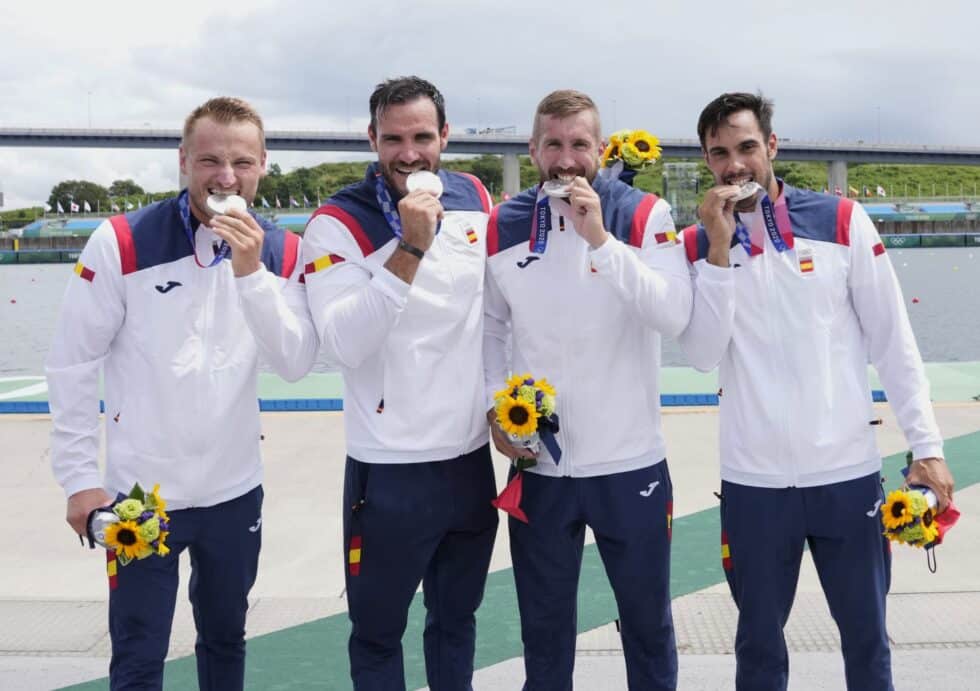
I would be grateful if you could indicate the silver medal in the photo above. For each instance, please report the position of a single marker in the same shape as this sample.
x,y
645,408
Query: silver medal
x,y
220,204
426,181
747,190
556,188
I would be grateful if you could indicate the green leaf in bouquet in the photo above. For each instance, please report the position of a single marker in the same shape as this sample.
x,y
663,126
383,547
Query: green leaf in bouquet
x,y
137,493
522,463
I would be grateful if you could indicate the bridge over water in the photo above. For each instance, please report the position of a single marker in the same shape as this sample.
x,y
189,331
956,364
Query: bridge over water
x,y
836,154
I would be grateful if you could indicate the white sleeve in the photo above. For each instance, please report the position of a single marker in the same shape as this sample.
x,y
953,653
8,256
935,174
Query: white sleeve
x,y
709,332
877,299
654,282
278,316
354,306
496,337
92,311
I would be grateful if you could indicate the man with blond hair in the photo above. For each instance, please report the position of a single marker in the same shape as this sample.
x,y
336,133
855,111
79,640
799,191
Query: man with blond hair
x,y
584,274
173,304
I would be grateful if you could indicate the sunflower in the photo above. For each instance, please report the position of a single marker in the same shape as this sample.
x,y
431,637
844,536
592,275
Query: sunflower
x,y
517,417
611,153
545,386
897,511
158,504
516,380
918,534
124,537
646,145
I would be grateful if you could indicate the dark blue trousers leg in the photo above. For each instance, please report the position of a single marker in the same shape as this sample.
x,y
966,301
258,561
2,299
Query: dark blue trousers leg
x,y
853,561
766,533
454,581
547,558
141,612
628,514
224,564
389,541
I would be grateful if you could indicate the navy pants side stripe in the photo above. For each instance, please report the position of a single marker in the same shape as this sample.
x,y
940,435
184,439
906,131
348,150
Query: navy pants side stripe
x,y
429,523
767,529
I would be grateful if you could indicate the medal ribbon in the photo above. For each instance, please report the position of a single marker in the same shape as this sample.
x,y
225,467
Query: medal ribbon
x,y
389,208
541,225
777,224
183,204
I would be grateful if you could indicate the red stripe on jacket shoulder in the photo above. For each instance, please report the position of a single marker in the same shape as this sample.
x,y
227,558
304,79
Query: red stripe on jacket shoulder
x,y
493,237
691,243
481,191
844,209
124,238
349,222
290,253
640,216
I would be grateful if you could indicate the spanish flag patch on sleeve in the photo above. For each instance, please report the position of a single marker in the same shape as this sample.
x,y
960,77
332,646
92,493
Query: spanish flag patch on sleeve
x,y
324,262
668,237
84,272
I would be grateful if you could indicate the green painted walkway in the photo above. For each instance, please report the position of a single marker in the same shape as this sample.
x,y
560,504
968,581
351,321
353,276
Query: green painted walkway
x,y
314,655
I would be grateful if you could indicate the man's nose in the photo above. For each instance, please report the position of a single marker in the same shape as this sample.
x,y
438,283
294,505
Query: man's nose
x,y
409,155
226,175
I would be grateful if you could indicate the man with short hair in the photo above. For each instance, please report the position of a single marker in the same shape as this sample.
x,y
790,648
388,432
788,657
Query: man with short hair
x,y
793,291
583,284
394,268
177,332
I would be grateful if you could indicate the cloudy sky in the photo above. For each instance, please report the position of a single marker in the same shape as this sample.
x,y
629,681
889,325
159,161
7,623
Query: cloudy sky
x,y
888,71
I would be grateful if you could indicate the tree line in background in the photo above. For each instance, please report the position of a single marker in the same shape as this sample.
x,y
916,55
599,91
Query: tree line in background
x,y
307,187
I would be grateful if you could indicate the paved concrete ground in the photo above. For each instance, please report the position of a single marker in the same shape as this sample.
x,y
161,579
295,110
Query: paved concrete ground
x,y
52,592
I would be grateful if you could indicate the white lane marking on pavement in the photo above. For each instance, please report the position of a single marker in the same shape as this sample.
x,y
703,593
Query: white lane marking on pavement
x,y
23,391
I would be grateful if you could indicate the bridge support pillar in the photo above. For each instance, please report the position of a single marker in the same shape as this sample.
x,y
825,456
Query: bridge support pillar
x,y
512,174
837,176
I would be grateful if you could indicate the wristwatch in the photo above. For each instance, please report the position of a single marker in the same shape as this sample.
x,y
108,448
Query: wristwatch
x,y
411,249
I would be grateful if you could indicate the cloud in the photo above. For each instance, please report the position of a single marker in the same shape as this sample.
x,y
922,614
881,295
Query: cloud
x,y
836,70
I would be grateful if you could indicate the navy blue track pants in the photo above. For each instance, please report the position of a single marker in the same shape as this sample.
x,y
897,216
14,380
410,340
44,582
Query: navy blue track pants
x,y
765,530
223,542
417,522
629,514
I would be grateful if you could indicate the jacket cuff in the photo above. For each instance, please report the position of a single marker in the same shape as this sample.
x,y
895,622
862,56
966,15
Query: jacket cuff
x,y
927,450
251,282
81,483
716,274
601,255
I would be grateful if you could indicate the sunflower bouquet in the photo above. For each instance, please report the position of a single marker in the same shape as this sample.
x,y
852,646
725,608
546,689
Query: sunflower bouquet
x,y
525,411
627,152
134,527
908,516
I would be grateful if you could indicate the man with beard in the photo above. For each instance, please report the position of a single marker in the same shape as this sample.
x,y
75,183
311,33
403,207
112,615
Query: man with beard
x,y
793,293
394,269
178,331
584,275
